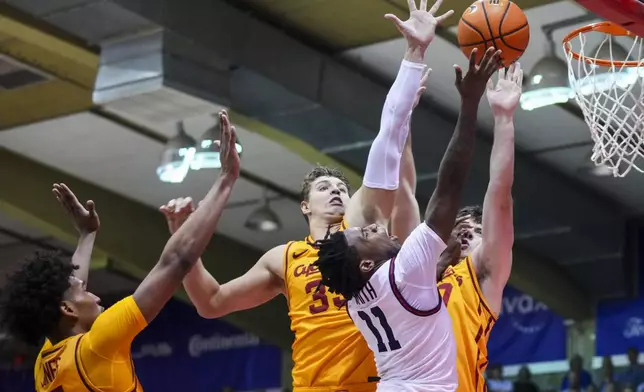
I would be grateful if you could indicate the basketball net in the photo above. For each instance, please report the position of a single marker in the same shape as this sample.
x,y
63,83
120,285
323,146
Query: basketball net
x,y
610,94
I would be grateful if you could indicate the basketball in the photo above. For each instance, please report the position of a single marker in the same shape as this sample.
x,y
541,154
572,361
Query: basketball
x,y
498,23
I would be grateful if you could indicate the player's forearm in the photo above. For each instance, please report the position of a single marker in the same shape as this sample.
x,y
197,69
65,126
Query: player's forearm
x,y
445,201
498,219
502,157
202,288
383,164
83,255
188,243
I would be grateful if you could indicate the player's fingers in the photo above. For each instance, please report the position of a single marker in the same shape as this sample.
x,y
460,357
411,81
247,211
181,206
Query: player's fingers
x,y
435,7
397,22
493,63
171,204
473,59
412,5
233,137
504,73
90,206
520,79
446,15
485,61
423,80
490,84
461,219
423,5
66,191
223,118
459,75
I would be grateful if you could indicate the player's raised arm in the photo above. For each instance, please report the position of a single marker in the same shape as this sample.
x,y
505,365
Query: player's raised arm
x,y
188,243
257,286
444,203
494,255
87,224
405,216
374,201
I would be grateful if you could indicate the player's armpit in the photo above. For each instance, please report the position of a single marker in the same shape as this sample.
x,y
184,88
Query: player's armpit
x,y
114,329
263,282
370,205
406,213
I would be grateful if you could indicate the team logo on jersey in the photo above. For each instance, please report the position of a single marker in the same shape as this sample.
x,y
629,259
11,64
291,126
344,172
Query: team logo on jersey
x,y
634,328
527,315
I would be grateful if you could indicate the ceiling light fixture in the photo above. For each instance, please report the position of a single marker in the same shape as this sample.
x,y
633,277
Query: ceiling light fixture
x,y
548,84
604,78
263,219
207,153
177,157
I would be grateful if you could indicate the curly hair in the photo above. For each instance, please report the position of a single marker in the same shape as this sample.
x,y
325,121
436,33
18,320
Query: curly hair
x,y
476,212
339,265
30,303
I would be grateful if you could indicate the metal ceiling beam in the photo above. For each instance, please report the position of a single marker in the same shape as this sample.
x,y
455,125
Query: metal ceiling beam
x,y
72,70
340,25
133,235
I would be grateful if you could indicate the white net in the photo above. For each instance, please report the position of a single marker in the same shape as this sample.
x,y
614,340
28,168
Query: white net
x,y
611,98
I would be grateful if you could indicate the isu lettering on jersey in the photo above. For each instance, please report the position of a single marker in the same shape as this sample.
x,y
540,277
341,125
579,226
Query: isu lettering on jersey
x,y
328,351
472,320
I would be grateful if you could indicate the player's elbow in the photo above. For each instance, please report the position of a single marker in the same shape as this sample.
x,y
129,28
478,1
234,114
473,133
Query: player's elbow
x,y
209,312
177,261
213,306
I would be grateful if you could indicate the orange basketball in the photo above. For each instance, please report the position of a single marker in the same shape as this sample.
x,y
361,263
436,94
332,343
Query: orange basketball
x,y
497,23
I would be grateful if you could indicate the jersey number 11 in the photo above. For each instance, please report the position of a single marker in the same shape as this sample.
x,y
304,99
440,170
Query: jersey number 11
x,y
377,312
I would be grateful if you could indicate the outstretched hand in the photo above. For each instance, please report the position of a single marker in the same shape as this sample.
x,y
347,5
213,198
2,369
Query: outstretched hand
x,y
419,30
472,85
85,217
177,211
505,96
228,155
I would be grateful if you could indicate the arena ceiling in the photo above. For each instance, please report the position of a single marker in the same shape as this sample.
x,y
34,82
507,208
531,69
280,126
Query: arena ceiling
x,y
306,84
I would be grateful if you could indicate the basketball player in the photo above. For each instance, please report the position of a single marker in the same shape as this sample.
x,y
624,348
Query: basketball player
x,y
475,268
391,290
346,362
85,349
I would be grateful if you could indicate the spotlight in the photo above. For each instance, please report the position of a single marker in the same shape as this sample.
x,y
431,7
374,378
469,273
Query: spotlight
x,y
176,159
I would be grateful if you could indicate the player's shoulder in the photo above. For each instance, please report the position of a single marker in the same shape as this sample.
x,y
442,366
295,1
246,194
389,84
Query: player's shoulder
x,y
273,259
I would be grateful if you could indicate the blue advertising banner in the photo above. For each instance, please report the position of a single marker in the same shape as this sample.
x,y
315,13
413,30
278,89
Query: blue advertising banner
x,y
620,325
527,331
182,351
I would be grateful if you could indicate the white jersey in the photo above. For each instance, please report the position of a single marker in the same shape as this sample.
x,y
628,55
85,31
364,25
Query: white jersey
x,y
400,314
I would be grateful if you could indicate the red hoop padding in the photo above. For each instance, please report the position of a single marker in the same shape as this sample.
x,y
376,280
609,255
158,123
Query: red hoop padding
x,y
627,13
